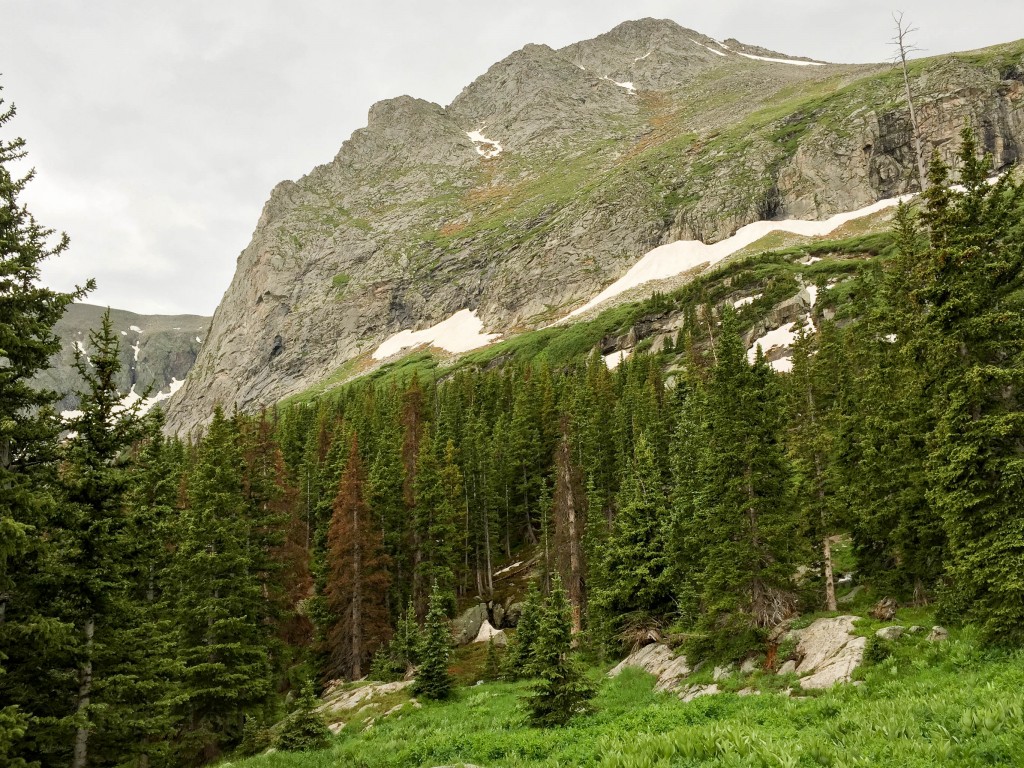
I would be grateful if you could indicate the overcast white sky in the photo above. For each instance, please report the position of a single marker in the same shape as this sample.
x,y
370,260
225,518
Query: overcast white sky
x,y
158,128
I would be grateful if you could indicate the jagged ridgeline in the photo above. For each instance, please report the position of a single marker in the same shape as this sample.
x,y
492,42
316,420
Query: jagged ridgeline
x,y
551,174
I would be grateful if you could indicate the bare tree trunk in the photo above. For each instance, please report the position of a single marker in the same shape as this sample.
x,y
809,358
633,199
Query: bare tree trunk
x,y
904,48
80,753
830,584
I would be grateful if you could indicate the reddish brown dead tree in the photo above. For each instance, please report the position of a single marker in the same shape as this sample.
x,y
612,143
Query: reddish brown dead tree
x,y
358,577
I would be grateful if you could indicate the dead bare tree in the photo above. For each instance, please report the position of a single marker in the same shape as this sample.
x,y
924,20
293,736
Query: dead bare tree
x,y
904,48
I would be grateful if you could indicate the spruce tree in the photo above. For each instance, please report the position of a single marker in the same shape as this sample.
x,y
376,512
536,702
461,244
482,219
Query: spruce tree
x,y
90,568
632,578
304,729
29,430
433,681
744,515
518,662
563,690
357,576
976,332
221,611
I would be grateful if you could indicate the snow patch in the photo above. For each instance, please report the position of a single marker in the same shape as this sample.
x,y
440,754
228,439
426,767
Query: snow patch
x,y
812,293
782,61
198,340
675,258
508,568
124,333
135,349
747,300
461,332
628,85
808,260
134,328
890,338
147,404
70,415
706,48
486,148
780,337
641,58
613,359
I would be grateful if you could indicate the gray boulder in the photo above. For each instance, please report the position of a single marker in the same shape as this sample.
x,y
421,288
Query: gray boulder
x,y
466,627
938,634
512,614
890,633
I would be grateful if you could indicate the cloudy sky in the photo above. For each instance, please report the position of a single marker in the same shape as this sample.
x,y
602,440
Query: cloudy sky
x,y
157,129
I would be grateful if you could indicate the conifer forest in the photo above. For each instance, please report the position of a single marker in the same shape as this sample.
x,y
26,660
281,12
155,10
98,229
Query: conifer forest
x,y
169,601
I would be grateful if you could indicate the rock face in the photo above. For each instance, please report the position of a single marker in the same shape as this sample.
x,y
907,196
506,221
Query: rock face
x,y
155,351
660,661
590,156
828,652
467,625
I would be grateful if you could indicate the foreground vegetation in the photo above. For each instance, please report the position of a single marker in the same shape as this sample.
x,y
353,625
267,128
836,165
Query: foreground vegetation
x,y
944,704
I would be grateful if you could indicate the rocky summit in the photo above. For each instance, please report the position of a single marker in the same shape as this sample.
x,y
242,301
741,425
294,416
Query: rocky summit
x,y
554,172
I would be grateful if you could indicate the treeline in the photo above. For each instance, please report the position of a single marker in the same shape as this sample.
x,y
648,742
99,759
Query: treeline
x,y
157,597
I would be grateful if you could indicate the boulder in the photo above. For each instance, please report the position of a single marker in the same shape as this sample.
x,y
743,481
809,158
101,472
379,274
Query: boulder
x,y
829,652
749,666
915,629
850,596
341,697
660,661
722,672
468,624
938,634
512,614
498,614
788,668
884,610
488,633
890,633
691,692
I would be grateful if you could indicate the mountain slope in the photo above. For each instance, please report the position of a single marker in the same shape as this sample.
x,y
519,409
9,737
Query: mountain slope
x,y
551,174
157,351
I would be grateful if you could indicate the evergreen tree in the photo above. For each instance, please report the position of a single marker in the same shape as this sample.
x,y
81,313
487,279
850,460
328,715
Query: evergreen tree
x,y
563,690
632,577
433,681
518,663
814,443
89,569
28,436
492,664
744,512
304,730
357,579
975,325
221,611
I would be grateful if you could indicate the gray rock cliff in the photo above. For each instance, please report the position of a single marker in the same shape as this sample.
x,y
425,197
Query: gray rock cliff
x,y
414,220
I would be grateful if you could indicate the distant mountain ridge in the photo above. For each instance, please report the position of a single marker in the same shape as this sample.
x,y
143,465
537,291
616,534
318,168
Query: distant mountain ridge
x,y
551,174
156,351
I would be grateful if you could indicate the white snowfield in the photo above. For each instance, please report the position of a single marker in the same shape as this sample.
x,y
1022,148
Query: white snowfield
x,y
612,359
627,85
747,300
782,61
780,337
486,148
133,397
707,48
134,328
675,258
130,399
461,332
